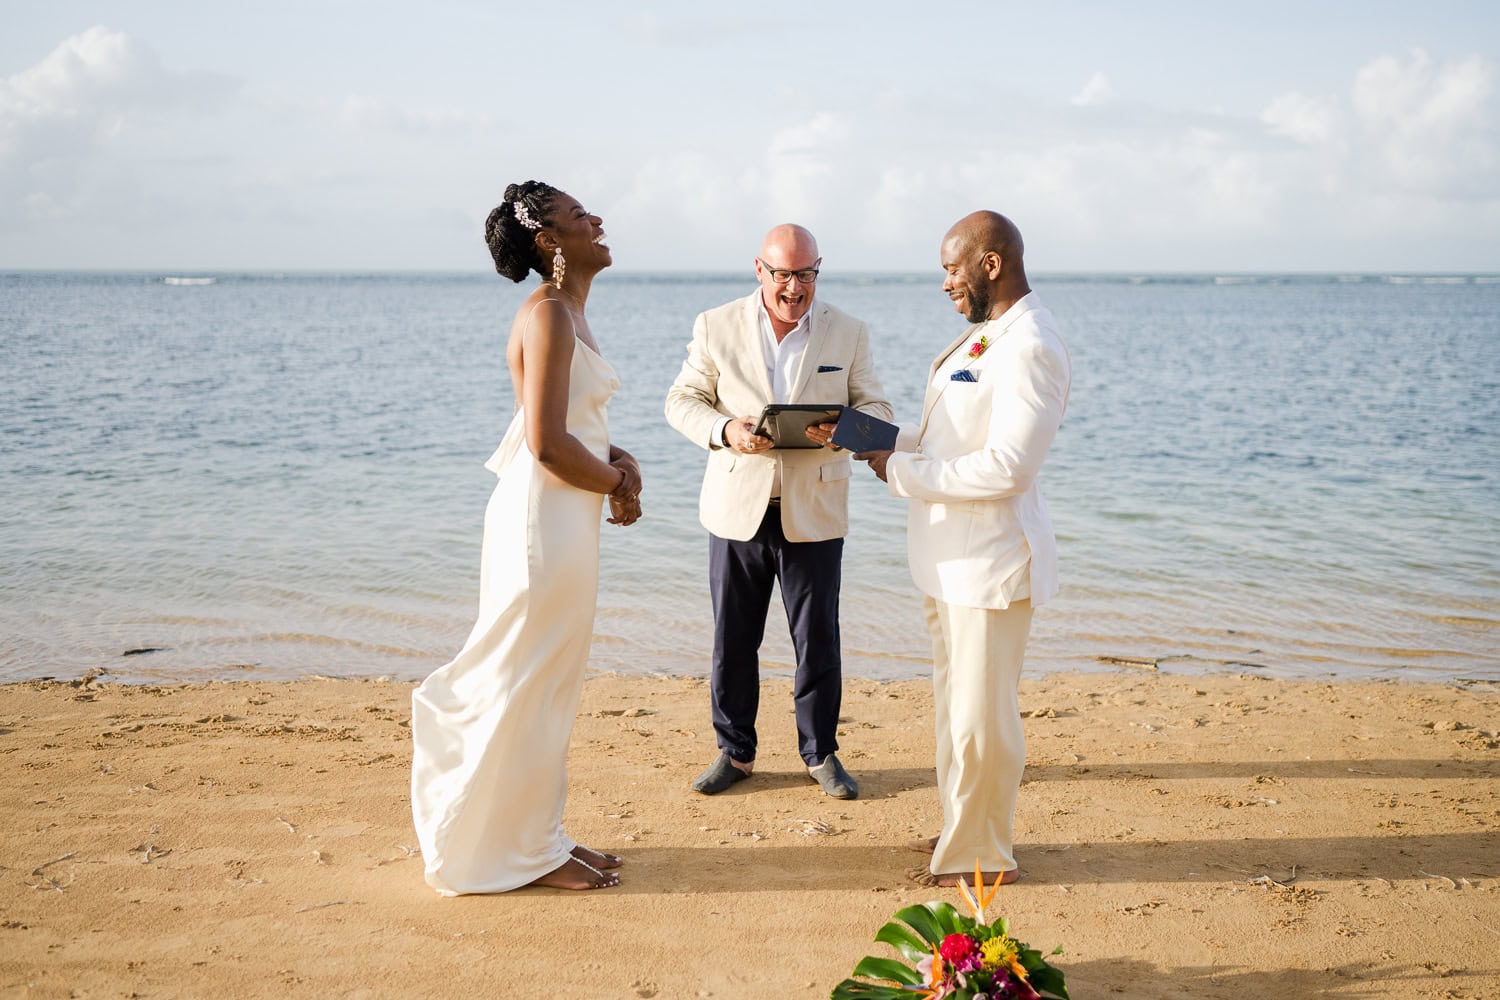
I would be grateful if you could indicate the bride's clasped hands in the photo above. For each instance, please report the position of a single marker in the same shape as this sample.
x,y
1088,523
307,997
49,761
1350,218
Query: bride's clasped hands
x,y
625,499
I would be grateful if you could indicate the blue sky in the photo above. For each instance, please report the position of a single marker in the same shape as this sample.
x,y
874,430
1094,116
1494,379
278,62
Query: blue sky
x,y
327,134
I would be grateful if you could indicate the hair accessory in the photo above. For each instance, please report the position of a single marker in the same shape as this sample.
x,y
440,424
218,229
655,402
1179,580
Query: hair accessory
x,y
518,208
559,268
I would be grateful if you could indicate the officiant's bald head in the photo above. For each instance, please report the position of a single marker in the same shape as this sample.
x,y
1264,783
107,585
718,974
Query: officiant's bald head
x,y
787,270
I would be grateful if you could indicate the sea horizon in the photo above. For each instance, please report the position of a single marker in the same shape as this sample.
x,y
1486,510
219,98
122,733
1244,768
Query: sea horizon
x,y
627,273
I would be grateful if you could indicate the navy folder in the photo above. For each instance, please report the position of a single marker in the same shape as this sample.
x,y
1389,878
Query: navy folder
x,y
858,431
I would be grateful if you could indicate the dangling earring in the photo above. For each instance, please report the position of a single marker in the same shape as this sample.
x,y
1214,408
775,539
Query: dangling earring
x,y
559,268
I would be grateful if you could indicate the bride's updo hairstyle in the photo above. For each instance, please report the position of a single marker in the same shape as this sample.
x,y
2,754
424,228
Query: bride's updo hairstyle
x,y
511,228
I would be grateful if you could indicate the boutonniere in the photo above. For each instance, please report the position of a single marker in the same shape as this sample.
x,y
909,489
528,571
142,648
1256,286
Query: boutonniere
x,y
979,347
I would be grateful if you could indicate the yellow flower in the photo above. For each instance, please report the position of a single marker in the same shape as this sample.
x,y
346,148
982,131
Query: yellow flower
x,y
1003,953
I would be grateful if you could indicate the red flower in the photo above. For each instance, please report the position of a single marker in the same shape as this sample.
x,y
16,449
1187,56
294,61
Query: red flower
x,y
961,951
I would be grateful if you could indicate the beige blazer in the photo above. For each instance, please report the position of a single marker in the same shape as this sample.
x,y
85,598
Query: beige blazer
x,y
971,467
725,376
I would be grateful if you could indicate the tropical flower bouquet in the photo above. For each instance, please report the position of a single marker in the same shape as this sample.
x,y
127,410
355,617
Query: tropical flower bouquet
x,y
954,956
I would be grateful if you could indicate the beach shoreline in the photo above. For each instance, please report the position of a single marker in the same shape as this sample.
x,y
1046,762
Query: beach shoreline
x,y
1217,836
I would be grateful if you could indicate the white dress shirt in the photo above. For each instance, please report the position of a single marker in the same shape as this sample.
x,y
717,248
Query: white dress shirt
x,y
783,357
783,361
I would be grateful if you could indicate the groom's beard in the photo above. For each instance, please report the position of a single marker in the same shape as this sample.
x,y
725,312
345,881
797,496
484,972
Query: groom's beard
x,y
978,301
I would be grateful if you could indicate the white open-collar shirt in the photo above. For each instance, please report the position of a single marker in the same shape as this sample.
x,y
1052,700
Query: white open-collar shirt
x,y
784,356
783,359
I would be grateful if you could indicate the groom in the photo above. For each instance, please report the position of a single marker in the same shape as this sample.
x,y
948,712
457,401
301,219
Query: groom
x,y
979,539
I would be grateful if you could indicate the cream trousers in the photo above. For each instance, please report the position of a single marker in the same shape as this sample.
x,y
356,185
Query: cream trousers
x,y
981,748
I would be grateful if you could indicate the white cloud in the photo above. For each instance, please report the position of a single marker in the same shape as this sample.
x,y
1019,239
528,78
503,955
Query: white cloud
x,y
1419,96
1409,151
687,196
1302,118
378,115
1433,128
805,167
1413,135
900,201
60,119
1096,92
1123,185
686,30
103,149
99,78
105,154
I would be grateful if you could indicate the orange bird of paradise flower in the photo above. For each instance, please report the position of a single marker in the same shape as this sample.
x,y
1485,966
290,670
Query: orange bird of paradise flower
x,y
979,898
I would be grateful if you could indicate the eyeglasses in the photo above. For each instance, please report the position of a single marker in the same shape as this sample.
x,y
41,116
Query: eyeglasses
x,y
781,275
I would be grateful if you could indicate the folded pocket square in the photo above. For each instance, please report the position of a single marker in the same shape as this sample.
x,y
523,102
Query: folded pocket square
x,y
963,375
828,368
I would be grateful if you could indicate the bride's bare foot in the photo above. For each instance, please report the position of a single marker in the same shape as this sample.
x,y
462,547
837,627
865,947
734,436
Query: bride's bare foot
x,y
922,845
597,859
575,874
924,876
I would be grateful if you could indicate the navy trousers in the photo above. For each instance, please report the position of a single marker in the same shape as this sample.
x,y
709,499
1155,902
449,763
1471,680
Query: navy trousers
x,y
740,578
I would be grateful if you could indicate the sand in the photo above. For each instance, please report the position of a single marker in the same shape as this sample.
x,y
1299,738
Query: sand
x,y
1207,837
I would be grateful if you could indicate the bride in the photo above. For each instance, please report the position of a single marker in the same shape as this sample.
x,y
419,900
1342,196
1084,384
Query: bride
x,y
491,729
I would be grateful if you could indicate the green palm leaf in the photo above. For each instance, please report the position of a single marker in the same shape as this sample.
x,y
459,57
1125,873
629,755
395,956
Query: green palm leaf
x,y
853,989
908,944
871,967
1048,982
949,919
924,922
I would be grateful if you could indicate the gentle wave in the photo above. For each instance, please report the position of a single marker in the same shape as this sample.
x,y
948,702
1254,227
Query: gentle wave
x,y
282,476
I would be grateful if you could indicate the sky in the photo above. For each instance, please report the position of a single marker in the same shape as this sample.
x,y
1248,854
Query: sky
x,y
1143,137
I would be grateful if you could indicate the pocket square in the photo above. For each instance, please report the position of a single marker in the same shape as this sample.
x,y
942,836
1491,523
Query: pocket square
x,y
963,375
828,368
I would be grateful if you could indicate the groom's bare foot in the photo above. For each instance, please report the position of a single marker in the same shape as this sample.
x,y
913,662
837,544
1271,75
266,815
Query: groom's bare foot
x,y
575,874
923,876
922,845
597,859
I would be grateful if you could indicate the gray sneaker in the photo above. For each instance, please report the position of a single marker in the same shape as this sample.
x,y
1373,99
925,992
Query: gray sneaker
x,y
834,779
720,775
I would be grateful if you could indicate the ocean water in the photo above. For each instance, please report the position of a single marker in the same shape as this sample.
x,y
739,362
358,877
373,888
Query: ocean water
x,y
275,476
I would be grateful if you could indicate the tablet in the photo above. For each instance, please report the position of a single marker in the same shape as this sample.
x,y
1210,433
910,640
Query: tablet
x,y
786,423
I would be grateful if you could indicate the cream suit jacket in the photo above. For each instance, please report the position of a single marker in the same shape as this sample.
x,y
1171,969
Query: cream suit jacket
x,y
725,376
970,468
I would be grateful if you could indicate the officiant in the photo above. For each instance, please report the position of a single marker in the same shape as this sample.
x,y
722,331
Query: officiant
x,y
776,510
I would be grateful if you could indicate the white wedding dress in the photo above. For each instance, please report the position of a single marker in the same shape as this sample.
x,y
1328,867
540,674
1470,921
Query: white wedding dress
x,y
491,729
